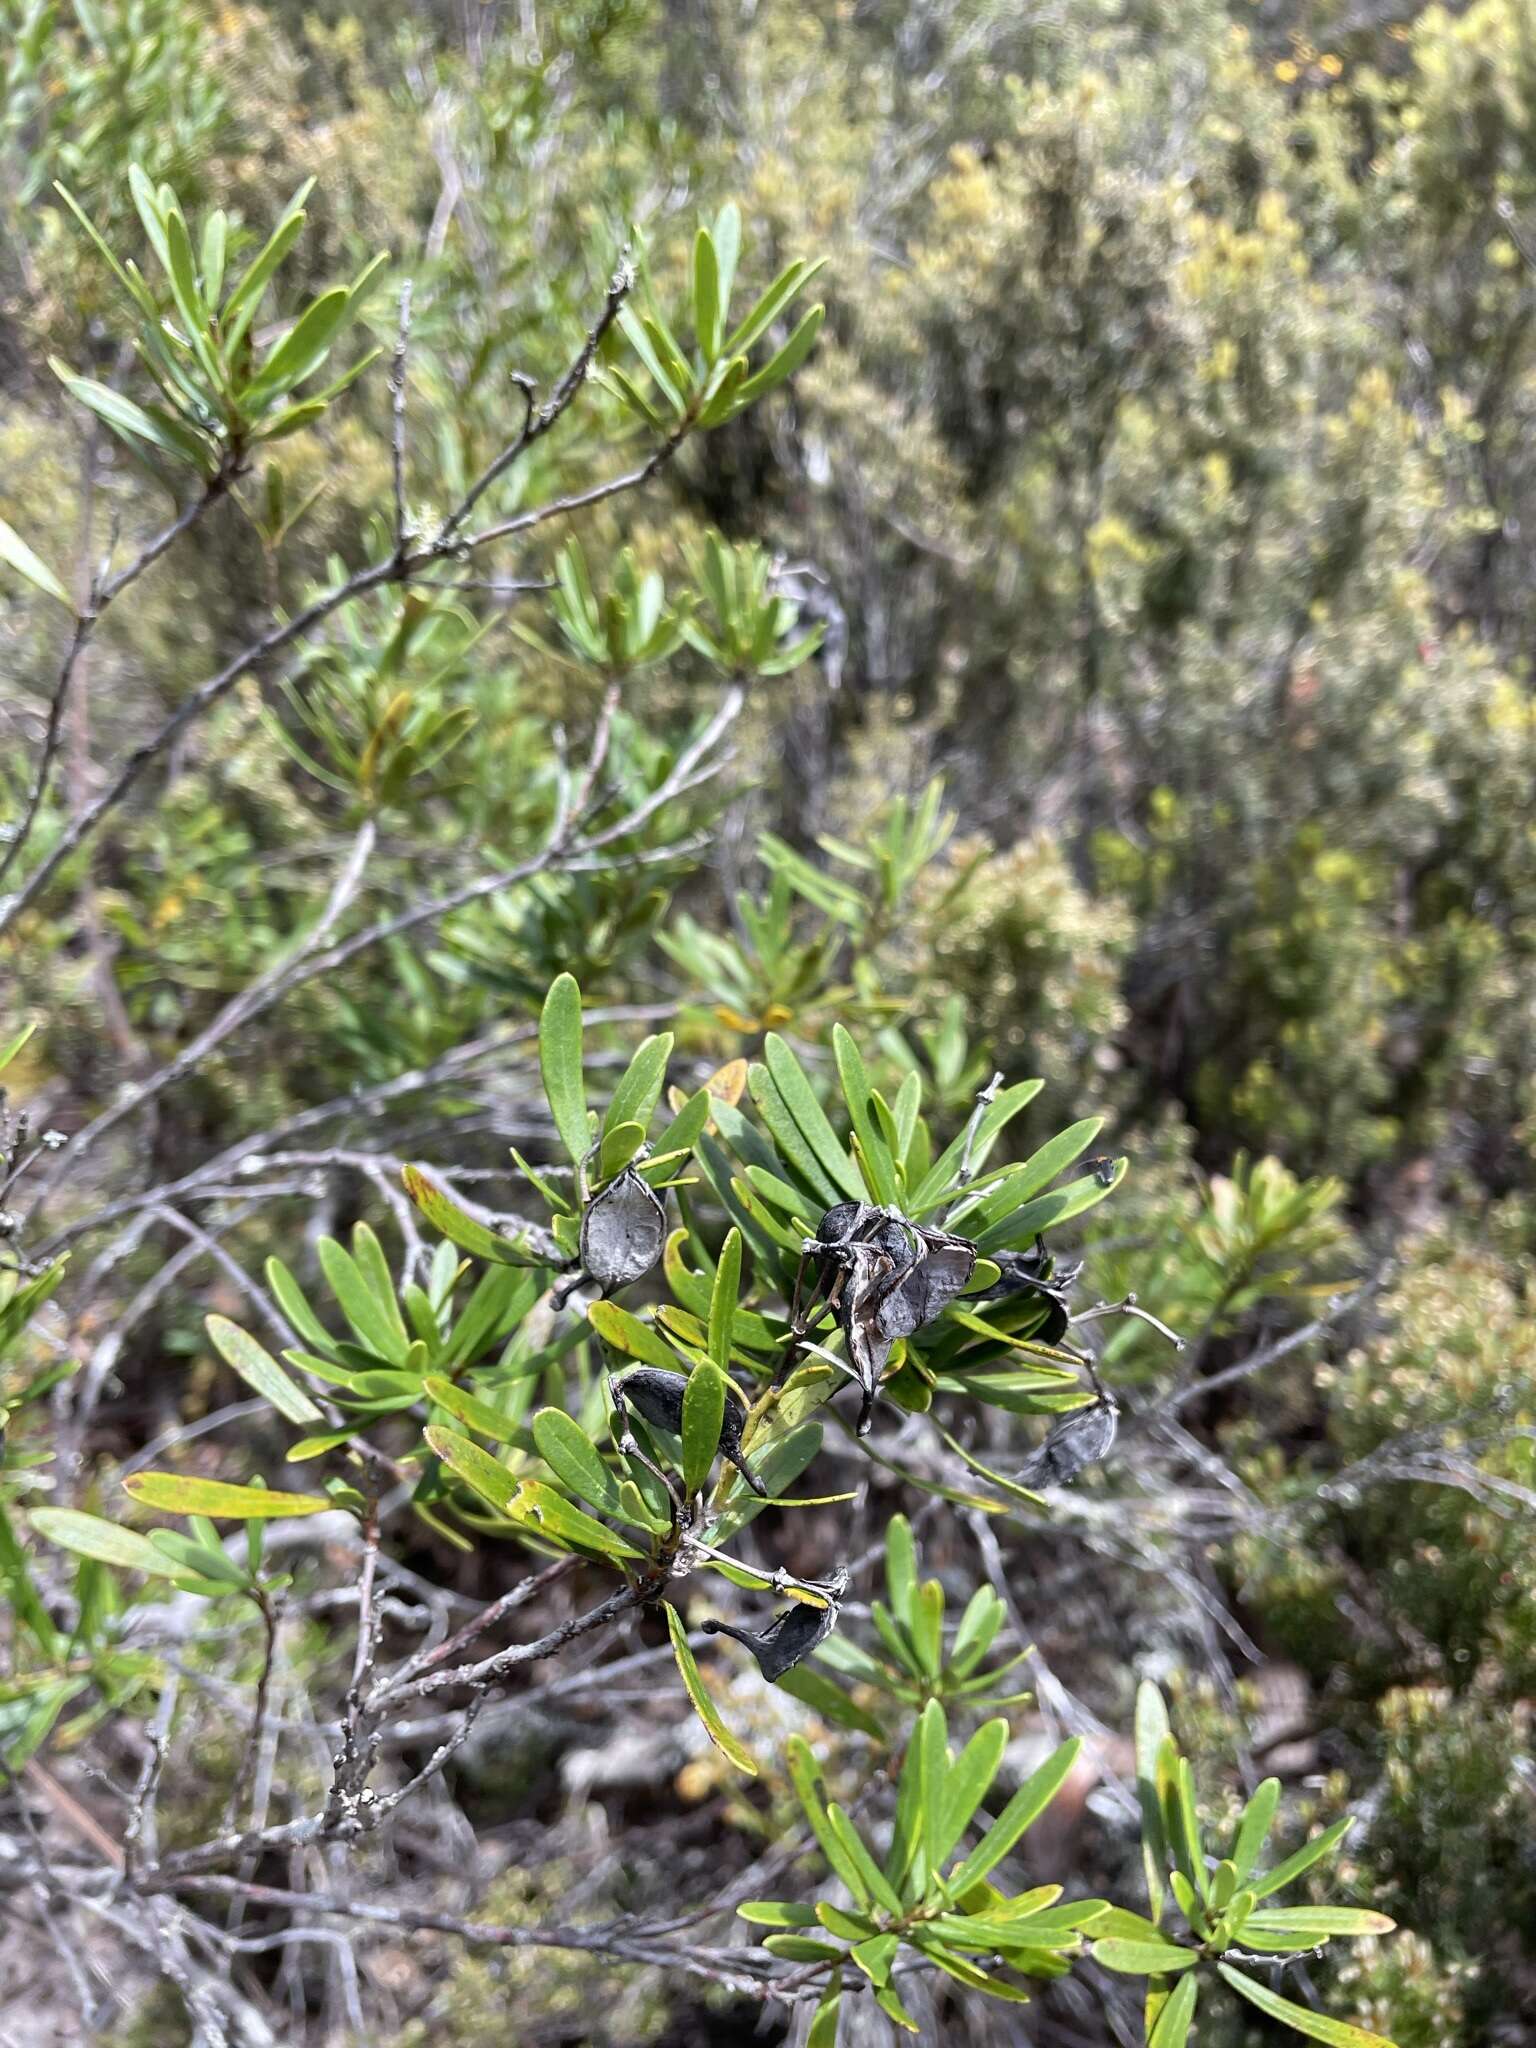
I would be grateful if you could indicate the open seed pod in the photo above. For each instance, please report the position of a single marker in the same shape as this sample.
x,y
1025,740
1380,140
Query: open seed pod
x,y
622,1231
1078,1440
793,1632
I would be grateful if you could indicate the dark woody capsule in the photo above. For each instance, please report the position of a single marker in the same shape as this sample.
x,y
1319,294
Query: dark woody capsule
x,y
622,1231
793,1632
1035,1272
1078,1440
657,1395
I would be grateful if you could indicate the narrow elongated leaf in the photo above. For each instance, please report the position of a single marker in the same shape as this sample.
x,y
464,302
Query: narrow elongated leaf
x,y
626,1333
552,1515
1022,1810
93,1536
970,1779
793,278
374,1329
900,1568
786,362
706,296
852,1844
260,1370
704,1400
560,1064
734,1751
301,351
1310,1853
572,1456
639,1090
931,1740
722,1300
1253,1829
16,555
1172,2027
132,422
1316,2026
1151,1733
173,1493
874,1153
1144,1958
1320,1922
800,1099
485,1474
464,1230
240,307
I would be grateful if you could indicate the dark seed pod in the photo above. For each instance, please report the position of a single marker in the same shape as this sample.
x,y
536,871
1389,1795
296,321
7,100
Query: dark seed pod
x,y
1078,1440
657,1395
622,1231
1035,1272
793,1632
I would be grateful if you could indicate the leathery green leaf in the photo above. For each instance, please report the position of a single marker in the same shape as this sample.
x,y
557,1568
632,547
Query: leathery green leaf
x,y
734,1751
175,1494
560,1042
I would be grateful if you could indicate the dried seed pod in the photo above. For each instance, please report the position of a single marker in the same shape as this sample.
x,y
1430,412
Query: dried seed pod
x,y
883,1277
1035,1272
793,1632
1078,1440
657,1395
622,1231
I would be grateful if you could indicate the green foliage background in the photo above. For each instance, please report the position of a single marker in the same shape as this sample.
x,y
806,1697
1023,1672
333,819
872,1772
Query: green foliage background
x,y
1162,479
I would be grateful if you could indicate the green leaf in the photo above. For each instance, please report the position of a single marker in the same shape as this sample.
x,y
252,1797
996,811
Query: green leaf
x,y
776,1913
550,1514
1253,1830
260,1370
301,351
92,1536
560,1064
800,1100
372,1326
1310,1853
1022,1810
1144,1958
875,1956
462,1229
874,1153
1045,1212
475,1414
571,1455
626,1333
826,1698
721,1736
824,2021
707,314
791,279
618,1147
799,1948
1320,1922
704,1400
133,422
1151,1733
16,555
240,307
1316,2026
875,1882
900,1568
1172,2027
486,1475
174,1494
803,1775
970,1779
639,1090
723,1297
786,362
931,1737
